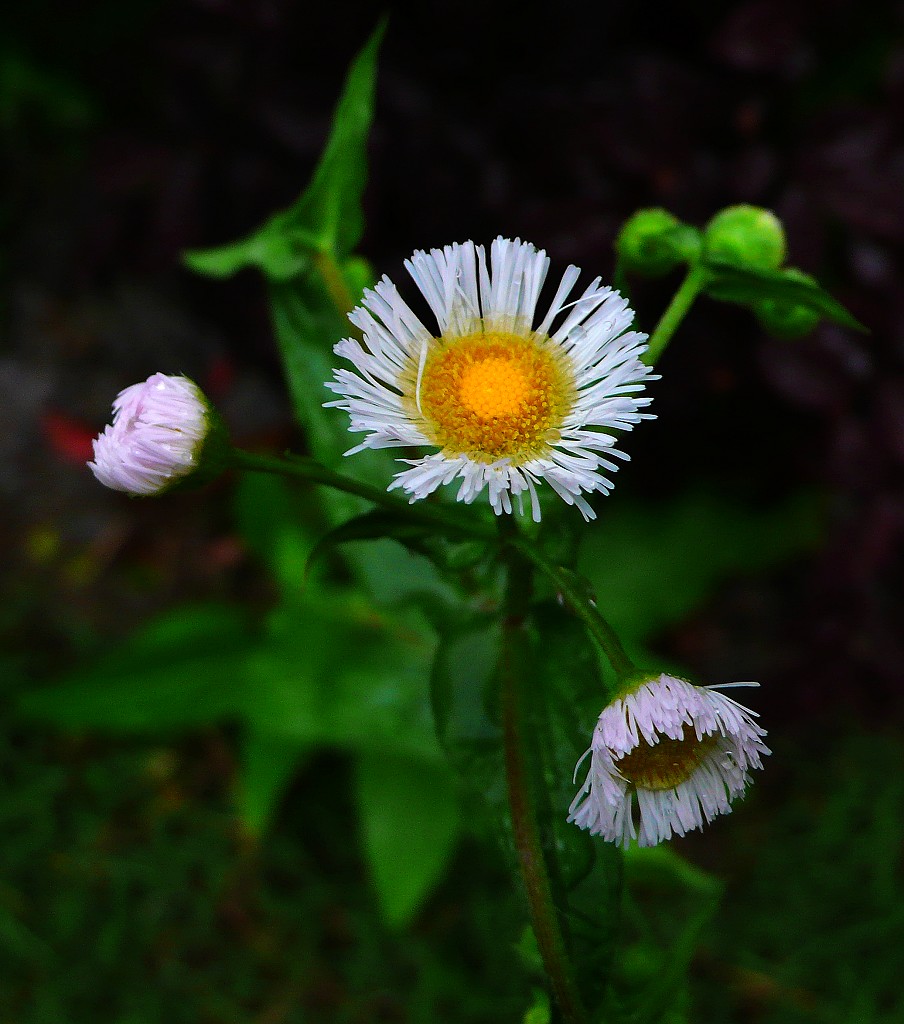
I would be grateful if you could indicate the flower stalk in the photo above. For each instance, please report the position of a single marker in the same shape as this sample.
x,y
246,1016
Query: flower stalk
x,y
584,607
520,755
692,285
445,520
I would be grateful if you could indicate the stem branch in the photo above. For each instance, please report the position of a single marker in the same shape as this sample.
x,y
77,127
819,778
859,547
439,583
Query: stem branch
x,y
584,607
675,312
441,519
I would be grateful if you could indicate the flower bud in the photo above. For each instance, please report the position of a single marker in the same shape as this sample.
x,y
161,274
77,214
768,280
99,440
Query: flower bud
x,y
653,242
787,319
746,236
678,752
161,433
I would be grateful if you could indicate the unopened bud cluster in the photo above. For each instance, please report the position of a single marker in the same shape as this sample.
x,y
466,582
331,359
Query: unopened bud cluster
x,y
746,238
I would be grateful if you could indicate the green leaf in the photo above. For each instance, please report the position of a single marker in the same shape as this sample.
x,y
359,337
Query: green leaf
x,y
540,1011
376,525
327,217
268,764
660,868
307,326
330,207
339,672
185,668
745,286
446,553
651,565
567,697
282,254
465,695
278,521
409,820
328,671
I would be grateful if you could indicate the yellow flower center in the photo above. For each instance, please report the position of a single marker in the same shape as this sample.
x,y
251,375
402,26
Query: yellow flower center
x,y
494,395
666,763
493,387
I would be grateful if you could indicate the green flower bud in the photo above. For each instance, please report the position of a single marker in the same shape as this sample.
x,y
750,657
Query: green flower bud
x,y
746,236
653,242
786,319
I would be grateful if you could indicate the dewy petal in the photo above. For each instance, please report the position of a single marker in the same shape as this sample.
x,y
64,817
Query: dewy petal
x,y
155,439
472,296
667,707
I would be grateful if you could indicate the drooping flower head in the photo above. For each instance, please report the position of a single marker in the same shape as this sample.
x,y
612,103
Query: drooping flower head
x,y
506,402
683,752
159,429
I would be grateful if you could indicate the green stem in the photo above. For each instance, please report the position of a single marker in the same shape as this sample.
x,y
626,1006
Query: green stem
x,y
334,282
309,469
675,312
584,607
520,755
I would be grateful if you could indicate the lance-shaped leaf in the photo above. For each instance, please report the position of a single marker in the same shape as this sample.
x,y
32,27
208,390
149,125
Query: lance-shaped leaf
x,y
408,812
183,669
198,666
327,216
746,285
374,525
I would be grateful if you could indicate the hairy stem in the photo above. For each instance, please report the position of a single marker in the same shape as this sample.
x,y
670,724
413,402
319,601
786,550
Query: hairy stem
x,y
442,519
675,312
520,756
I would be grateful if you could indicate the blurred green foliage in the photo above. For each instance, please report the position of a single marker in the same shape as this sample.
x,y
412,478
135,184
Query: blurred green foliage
x,y
812,924
653,564
129,895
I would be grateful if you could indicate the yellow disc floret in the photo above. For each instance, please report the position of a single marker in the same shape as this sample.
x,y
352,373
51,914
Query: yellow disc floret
x,y
666,763
494,395
493,388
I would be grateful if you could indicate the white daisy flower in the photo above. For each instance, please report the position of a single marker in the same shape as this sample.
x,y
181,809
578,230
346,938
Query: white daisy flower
x,y
684,751
507,403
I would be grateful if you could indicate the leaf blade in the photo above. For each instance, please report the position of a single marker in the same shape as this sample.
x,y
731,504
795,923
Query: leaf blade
x,y
409,822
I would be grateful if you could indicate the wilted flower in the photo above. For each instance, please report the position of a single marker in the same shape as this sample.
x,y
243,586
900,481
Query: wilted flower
x,y
506,403
159,429
684,751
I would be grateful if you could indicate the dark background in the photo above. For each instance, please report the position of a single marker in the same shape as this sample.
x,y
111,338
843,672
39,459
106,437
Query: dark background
x,y
133,131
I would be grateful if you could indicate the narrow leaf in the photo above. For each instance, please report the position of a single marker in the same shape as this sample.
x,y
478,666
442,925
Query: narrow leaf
x,y
744,285
327,217
330,207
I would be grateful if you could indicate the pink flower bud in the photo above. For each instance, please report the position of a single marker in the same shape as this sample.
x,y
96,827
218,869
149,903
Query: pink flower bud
x,y
158,430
